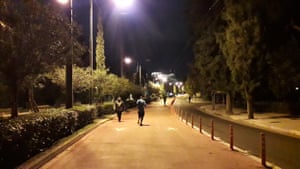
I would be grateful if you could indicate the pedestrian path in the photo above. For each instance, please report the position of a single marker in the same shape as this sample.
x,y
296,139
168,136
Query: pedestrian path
x,y
163,142
275,122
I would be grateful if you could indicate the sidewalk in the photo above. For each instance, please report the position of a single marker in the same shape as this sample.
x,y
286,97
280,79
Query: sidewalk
x,y
275,122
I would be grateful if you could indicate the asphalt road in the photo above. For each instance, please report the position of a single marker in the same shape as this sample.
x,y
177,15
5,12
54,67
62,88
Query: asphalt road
x,y
163,142
281,150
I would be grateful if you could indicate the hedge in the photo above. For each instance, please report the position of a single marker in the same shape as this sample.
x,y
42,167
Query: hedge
x,y
23,137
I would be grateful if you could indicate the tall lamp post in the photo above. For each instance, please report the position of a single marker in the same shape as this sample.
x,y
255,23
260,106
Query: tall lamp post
x,y
69,64
91,50
122,6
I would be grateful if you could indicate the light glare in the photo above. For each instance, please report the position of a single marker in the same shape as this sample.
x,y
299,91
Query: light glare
x,y
63,1
123,4
127,60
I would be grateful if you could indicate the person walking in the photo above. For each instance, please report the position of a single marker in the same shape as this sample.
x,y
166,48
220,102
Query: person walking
x,y
119,107
141,103
165,99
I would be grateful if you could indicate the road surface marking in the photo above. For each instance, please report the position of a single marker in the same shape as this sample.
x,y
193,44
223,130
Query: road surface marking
x,y
120,129
171,129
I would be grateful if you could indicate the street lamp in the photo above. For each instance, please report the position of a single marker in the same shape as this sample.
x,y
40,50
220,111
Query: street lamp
x,y
91,50
69,64
121,6
128,60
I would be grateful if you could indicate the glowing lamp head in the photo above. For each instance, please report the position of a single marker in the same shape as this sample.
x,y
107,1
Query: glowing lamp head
x,y
63,1
123,4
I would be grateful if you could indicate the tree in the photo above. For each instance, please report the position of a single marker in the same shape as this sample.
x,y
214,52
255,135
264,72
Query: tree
x,y
100,52
191,84
101,82
242,46
209,69
283,47
81,78
36,39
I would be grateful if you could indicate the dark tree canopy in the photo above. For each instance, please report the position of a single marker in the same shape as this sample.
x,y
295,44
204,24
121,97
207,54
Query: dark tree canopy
x,y
37,37
254,43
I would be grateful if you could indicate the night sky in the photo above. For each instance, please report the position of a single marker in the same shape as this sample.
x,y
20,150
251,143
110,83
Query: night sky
x,y
154,32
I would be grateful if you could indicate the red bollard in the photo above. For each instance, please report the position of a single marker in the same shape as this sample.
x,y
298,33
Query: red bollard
x,y
212,129
200,125
192,121
181,115
186,118
231,137
263,149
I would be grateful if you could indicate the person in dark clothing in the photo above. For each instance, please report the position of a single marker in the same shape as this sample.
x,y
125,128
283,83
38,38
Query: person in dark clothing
x,y
141,103
119,107
165,99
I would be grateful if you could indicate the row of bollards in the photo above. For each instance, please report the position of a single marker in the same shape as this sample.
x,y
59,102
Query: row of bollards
x,y
181,114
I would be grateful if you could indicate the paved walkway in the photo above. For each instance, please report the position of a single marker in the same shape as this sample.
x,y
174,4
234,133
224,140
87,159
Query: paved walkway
x,y
164,142
276,122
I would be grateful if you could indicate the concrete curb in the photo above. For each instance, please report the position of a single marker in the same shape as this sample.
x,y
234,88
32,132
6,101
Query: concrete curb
x,y
249,123
40,159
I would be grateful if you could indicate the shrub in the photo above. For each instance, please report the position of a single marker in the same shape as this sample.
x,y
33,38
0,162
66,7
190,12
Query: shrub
x,y
105,108
25,136
130,103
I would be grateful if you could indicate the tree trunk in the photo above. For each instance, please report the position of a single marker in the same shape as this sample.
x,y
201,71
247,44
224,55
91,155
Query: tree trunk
x,y
228,103
213,101
32,103
14,101
249,105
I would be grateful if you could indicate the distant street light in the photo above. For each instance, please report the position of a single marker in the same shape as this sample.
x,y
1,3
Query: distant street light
x,y
128,60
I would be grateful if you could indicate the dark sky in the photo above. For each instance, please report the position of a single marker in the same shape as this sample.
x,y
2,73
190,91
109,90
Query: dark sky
x,y
154,33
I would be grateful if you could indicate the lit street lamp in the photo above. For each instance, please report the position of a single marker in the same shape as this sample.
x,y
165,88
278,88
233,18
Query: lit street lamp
x,y
91,50
121,6
128,60
69,64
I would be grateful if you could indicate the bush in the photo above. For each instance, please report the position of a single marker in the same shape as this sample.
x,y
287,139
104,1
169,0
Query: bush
x,y
25,136
105,108
130,103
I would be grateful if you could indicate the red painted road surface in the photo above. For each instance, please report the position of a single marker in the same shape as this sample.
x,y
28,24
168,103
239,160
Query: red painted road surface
x,y
163,142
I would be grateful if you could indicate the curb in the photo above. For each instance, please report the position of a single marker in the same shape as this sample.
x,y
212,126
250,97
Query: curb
x,y
272,129
40,159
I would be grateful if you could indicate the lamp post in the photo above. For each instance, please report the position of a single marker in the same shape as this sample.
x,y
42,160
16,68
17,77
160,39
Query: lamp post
x,y
69,64
128,60
122,6
91,50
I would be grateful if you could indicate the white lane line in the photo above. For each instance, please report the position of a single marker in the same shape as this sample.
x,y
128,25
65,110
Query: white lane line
x,y
120,129
171,129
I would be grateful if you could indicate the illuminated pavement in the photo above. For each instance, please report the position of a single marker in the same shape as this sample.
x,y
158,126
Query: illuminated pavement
x,y
164,142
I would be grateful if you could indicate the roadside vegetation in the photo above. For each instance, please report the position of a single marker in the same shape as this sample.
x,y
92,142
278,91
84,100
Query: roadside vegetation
x,y
248,51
